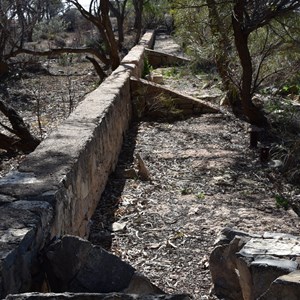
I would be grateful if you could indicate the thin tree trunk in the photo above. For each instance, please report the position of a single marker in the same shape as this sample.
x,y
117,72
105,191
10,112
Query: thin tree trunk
x,y
254,115
120,22
222,59
101,20
7,143
138,7
120,15
27,142
3,68
113,47
97,67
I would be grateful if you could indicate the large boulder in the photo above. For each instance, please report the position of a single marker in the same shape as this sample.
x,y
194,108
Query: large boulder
x,y
73,264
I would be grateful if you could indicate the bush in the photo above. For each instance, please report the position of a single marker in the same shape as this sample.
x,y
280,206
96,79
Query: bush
x,y
49,29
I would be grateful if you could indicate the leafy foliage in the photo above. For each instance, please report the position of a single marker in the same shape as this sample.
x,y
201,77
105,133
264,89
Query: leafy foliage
x,y
281,202
50,29
248,42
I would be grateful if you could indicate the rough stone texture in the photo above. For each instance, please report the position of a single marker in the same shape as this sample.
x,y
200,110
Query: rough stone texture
x,y
136,56
222,266
148,39
87,296
75,265
269,268
159,59
56,188
146,93
286,287
141,285
244,266
24,228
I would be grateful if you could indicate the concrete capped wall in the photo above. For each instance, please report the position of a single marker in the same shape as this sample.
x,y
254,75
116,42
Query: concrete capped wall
x,y
56,188
159,59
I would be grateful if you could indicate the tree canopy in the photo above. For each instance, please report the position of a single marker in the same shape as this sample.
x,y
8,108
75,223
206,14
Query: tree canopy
x,y
252,31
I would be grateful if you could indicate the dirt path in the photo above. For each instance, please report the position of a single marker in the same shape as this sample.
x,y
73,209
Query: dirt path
x,y
203,177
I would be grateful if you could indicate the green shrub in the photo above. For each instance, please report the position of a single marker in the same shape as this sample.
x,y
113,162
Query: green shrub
x,y
281,202
49,29
147,68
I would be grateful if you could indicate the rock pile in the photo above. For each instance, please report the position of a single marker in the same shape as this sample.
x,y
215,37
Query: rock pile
x,y
251,266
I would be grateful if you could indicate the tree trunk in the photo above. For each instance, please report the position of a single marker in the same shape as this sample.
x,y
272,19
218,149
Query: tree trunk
x,y
7,143
222,58
138,8
97,67
109,35
254,114
3,68
119,13
120,22
100,18
26,142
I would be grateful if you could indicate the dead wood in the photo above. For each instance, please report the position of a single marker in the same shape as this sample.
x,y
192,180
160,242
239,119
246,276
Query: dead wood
x,y
23,139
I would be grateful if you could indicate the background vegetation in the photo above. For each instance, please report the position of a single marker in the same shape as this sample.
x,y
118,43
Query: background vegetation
x,y
252,46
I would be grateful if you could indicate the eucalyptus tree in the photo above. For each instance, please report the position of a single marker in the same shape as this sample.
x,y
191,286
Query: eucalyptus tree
x,y
138,17
247,17
98,15
118,8
237,29
17,18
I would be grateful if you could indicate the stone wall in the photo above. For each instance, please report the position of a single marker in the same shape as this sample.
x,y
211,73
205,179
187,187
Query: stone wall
x,y
56,189
147,94
159,59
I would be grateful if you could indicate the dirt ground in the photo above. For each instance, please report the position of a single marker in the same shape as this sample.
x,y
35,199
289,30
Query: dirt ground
x,y
203,174
204,177
44,94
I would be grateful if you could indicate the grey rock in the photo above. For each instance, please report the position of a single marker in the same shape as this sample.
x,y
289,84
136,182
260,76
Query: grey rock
x,y
94,296
227,235
244,266
75,265
24,227
286,287
141,285
269,268
222,265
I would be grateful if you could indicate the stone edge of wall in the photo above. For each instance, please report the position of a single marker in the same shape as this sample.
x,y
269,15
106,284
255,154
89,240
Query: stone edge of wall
x,y
56,188
158,59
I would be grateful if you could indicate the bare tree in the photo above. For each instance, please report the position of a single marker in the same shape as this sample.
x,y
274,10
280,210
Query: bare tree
x,y
118,8
9,33
17,21
138,19
13,26
98,14
19,136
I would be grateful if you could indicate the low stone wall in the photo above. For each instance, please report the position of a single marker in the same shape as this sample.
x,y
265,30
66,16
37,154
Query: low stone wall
x,y
159,59
147,94
56,189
